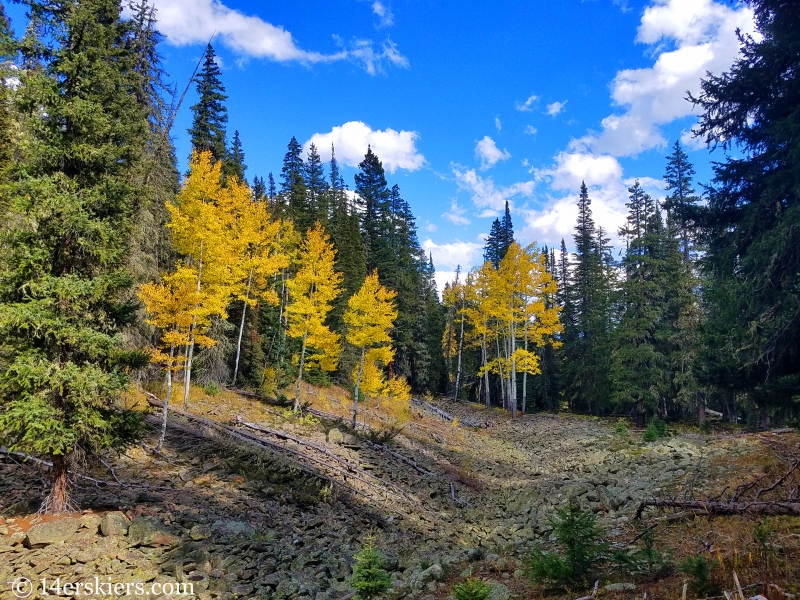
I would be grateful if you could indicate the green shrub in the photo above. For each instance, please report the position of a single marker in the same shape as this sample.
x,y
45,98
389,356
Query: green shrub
x,y
656,429
642,561
472,589
622,429
370,579
705,426
699,571
212,389
579,539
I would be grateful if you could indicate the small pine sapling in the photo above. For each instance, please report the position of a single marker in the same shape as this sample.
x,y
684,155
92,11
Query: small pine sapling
x,y
472,589
370,579
699,571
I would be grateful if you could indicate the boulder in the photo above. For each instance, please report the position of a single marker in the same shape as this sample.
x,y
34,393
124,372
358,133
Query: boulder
x,y
498,591
147,531
114,523
232,528
52,532
620,587
335,436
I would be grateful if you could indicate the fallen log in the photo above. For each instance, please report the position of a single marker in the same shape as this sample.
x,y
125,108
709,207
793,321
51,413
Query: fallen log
x,y
447,416
762,507
401,458
593,595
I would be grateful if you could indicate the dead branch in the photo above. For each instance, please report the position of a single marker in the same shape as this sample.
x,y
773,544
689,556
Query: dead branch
x,y
768,507
97,482
446,415
779,481
401,458
593,595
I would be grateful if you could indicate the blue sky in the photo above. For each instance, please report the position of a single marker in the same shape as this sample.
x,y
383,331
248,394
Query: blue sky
x,y
468,103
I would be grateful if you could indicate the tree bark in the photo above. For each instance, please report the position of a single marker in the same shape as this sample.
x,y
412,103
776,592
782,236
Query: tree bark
x,y
525,377
166,402
458,369
358,386
58,501
241,326
486,371
300,374
187,372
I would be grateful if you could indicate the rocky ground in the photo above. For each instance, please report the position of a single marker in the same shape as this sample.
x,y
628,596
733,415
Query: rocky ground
x,y
284,520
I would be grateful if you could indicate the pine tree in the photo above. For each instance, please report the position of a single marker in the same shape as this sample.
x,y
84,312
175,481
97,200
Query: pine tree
x,y
312,292
210,116
373,199
586,316
681,201
234,165
64,290
753,332
294,195
316,186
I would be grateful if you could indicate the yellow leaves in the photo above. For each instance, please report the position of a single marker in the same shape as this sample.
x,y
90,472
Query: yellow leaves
x,y
312,292
370,314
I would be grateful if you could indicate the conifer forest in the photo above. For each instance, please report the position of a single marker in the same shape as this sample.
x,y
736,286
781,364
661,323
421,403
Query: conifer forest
x,y
147,297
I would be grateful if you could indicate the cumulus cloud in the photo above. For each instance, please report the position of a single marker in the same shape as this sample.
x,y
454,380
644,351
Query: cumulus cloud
x,y
187,22
396,149
489,153
384,14
456,214
571,168
531,130
527,106
689,38
447,257
485,194
556,108
497,123
430,226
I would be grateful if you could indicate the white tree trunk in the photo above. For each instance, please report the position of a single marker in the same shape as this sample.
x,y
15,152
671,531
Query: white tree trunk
x,y
166,401
358,385
241,327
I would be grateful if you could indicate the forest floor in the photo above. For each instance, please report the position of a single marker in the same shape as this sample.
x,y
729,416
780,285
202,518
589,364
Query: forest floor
x,y
248,500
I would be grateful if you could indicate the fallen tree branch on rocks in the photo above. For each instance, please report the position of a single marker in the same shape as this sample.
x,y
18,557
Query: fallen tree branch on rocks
x,y
593,595
767,507
447,416
401,458
98,482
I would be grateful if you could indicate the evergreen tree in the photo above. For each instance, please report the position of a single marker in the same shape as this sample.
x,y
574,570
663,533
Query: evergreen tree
x,y
492,249
64,291
234,165
586,319
294,196
681,201
259,189
753,331
373,200
210,116
316,186
507,228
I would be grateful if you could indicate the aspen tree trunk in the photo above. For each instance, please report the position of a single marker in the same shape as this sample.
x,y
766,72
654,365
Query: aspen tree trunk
x,y
513,371
190,355
358,385
502,375
241,327
458,370
166,401
485,371
300,374
525,376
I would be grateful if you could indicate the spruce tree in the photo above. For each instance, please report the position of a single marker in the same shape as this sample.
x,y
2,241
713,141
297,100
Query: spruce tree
x,y
210,116
64,290
586,322
234,165
492,250
753,330
316,186
294,195
373,200
681,201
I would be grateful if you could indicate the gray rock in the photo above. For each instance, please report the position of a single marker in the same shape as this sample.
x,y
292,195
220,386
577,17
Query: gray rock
x,y
620,587
52,532
232,528
114,523
499,591
335,436
146,531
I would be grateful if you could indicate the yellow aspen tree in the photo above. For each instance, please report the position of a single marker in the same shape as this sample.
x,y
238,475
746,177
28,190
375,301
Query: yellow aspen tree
x,y
174,307
202,223
369,318
478,312
312,292
258,241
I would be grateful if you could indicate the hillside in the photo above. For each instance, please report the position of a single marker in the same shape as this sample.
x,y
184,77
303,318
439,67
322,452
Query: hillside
x,y
281,515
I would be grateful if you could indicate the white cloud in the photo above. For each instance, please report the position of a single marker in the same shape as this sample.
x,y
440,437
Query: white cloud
x,y
497,123
396,149
531,130
430,226
692,142
556,108
383,13
187,22
572,168
456,214
447,257
489,153
527,105
485,194
689,37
